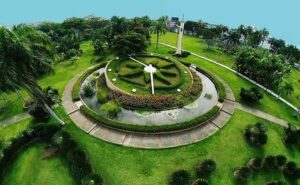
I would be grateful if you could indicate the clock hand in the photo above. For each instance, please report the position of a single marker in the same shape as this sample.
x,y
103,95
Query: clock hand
x,y
138,61
152,82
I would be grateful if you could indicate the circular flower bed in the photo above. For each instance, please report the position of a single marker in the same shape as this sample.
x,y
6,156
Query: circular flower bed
x,y
127,109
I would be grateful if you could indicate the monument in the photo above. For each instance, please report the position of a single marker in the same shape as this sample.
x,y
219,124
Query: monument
x,y
179,40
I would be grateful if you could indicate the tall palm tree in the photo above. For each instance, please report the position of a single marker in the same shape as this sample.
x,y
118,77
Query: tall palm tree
x,y
159,28
22,50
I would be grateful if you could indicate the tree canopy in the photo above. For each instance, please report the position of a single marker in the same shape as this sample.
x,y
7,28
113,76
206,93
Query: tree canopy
x,y
261,66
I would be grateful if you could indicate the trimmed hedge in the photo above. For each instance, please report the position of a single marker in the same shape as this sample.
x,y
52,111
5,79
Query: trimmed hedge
x,y
76,88
219,85
77,161
148,129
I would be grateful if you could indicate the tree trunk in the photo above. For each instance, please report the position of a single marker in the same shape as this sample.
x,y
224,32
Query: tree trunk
x,y
37,93
157,37
53,115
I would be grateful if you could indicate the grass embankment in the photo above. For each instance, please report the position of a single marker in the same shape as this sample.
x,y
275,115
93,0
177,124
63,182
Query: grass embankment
x,y
197,45
30,168
268,104
128,166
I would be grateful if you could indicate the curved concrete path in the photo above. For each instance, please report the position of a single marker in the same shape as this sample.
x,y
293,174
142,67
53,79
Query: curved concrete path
x,y
143,140
14,119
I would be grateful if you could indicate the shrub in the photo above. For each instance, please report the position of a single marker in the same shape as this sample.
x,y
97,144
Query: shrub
x,y
111,108
252,95
206,168
291,171
275,183
77,85
291,135
77,161
281,160
180,177
88,90
254,164
200,182
270,162
256,134
39,112
92,179
102,95
242,174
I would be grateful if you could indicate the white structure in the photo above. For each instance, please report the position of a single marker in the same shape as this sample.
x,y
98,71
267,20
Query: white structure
x,y
149,69
179,40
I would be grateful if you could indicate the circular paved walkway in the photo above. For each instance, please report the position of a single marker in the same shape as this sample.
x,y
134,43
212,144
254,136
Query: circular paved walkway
x,y
142,140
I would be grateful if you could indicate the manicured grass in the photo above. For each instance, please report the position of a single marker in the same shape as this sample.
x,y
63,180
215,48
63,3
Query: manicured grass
x,y
294,79
268,104
199,46
131,75
128,166
13,105
8,132
30,168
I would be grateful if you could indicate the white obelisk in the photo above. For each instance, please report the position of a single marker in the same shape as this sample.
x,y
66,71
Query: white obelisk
x,y
179,40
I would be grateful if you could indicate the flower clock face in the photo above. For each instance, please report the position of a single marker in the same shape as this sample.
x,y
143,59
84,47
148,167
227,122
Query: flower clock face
x,y
152,73
148,75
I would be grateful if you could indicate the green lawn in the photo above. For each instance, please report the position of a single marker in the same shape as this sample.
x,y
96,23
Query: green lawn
x,y
8,132
198,46
30,169
268,104
128,166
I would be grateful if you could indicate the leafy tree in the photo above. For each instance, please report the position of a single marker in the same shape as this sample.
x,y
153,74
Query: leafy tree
x,y
242,174
252,95
256,134
159,28
21,49
281,160
129,43
291,171
276,45
254,164
99,48
191,26
291,135
206,168
261,66
270,162
209,36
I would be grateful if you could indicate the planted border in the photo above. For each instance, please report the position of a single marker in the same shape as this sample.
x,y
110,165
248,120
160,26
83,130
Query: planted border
x,y
219,85
150,129
77,161
77,85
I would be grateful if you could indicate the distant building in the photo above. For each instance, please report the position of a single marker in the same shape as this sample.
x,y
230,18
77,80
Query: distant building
x,y
172,24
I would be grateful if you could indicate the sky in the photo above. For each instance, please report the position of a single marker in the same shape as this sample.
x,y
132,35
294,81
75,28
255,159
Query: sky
x,y
280,17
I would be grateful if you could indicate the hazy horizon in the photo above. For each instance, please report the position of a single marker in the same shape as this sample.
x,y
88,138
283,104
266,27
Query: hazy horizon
x,y
279,17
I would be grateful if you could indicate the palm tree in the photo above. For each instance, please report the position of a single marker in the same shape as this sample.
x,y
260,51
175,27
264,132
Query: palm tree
x,y
159,28
23,49
232,38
